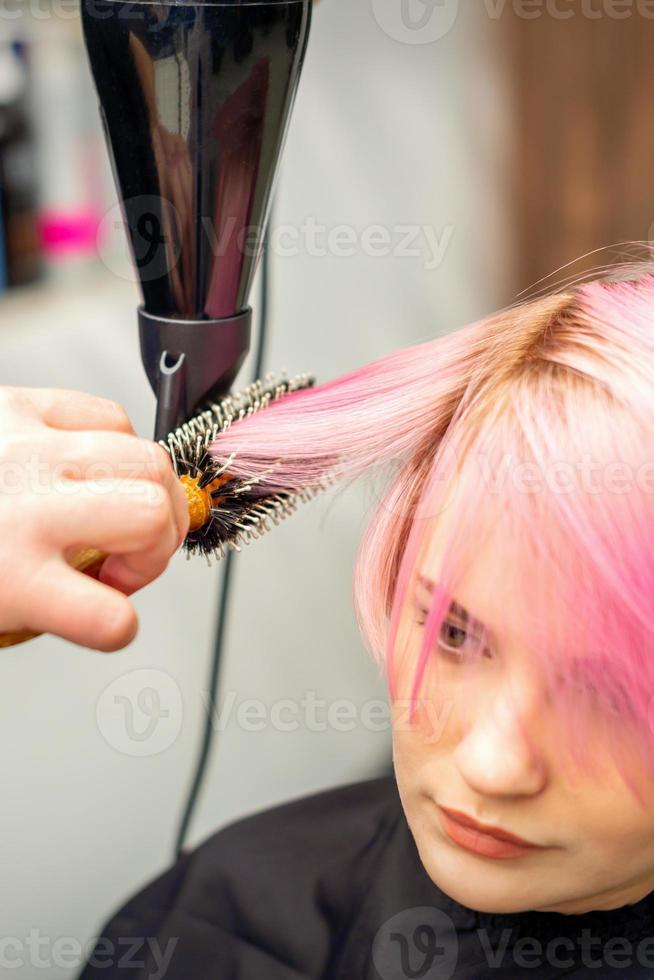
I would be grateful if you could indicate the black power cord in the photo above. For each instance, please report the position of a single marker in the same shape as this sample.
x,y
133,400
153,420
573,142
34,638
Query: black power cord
x,y
225,587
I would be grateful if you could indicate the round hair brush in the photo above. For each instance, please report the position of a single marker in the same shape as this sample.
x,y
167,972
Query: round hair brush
x,y
225,512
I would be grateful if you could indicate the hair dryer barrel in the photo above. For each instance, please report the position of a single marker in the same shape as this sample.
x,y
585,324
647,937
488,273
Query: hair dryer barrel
x,y
196,99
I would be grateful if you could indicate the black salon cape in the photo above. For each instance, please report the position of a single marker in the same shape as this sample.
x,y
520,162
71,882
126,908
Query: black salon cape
x,y
330,887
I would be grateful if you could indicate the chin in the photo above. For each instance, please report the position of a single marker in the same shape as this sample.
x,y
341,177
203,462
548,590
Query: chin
x,y
477,883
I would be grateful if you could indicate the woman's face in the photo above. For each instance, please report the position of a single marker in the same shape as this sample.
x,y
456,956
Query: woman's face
x,y
470,753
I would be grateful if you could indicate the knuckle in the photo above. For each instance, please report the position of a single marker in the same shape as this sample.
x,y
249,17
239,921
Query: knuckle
x,y
97,454
86,449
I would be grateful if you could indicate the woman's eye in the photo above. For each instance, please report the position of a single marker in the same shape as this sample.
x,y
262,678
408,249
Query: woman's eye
x,y
453,638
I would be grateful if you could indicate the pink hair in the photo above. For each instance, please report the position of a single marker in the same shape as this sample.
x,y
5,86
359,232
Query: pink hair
x,y
544,384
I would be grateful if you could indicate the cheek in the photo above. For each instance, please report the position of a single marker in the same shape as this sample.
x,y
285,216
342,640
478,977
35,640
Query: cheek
x,y
431,725
420,767
421,744
609,811
408,751
408,763
620,842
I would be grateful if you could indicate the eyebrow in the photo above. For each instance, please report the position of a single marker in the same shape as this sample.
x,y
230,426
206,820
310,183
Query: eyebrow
x,y
455,607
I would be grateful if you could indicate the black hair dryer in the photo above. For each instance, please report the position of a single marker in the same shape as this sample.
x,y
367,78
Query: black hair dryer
x,y
195,99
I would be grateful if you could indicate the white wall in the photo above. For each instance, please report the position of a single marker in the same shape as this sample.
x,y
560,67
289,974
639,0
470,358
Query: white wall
x,y
385,133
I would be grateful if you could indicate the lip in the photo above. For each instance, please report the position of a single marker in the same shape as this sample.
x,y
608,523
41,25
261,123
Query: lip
x,y
483,839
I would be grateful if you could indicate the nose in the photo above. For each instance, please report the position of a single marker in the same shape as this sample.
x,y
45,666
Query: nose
x,y
498,754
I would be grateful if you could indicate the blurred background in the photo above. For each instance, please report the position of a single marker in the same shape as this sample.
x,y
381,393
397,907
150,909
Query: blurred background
x,y
468,151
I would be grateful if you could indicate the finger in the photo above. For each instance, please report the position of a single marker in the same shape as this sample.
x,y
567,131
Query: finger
x,y
92,456
80,609
129,573
177,493
116,516
63,408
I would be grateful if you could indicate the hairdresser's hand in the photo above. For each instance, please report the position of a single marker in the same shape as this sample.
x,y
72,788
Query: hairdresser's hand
x,y
74,474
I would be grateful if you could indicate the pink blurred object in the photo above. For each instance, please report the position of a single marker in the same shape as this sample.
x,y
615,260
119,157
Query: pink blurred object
x,y
65,233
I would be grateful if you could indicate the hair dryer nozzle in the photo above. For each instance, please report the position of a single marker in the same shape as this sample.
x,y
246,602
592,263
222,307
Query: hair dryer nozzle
x,y
191,362
195,98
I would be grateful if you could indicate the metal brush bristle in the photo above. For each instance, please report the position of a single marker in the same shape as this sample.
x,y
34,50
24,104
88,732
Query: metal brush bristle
x,y
238,515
